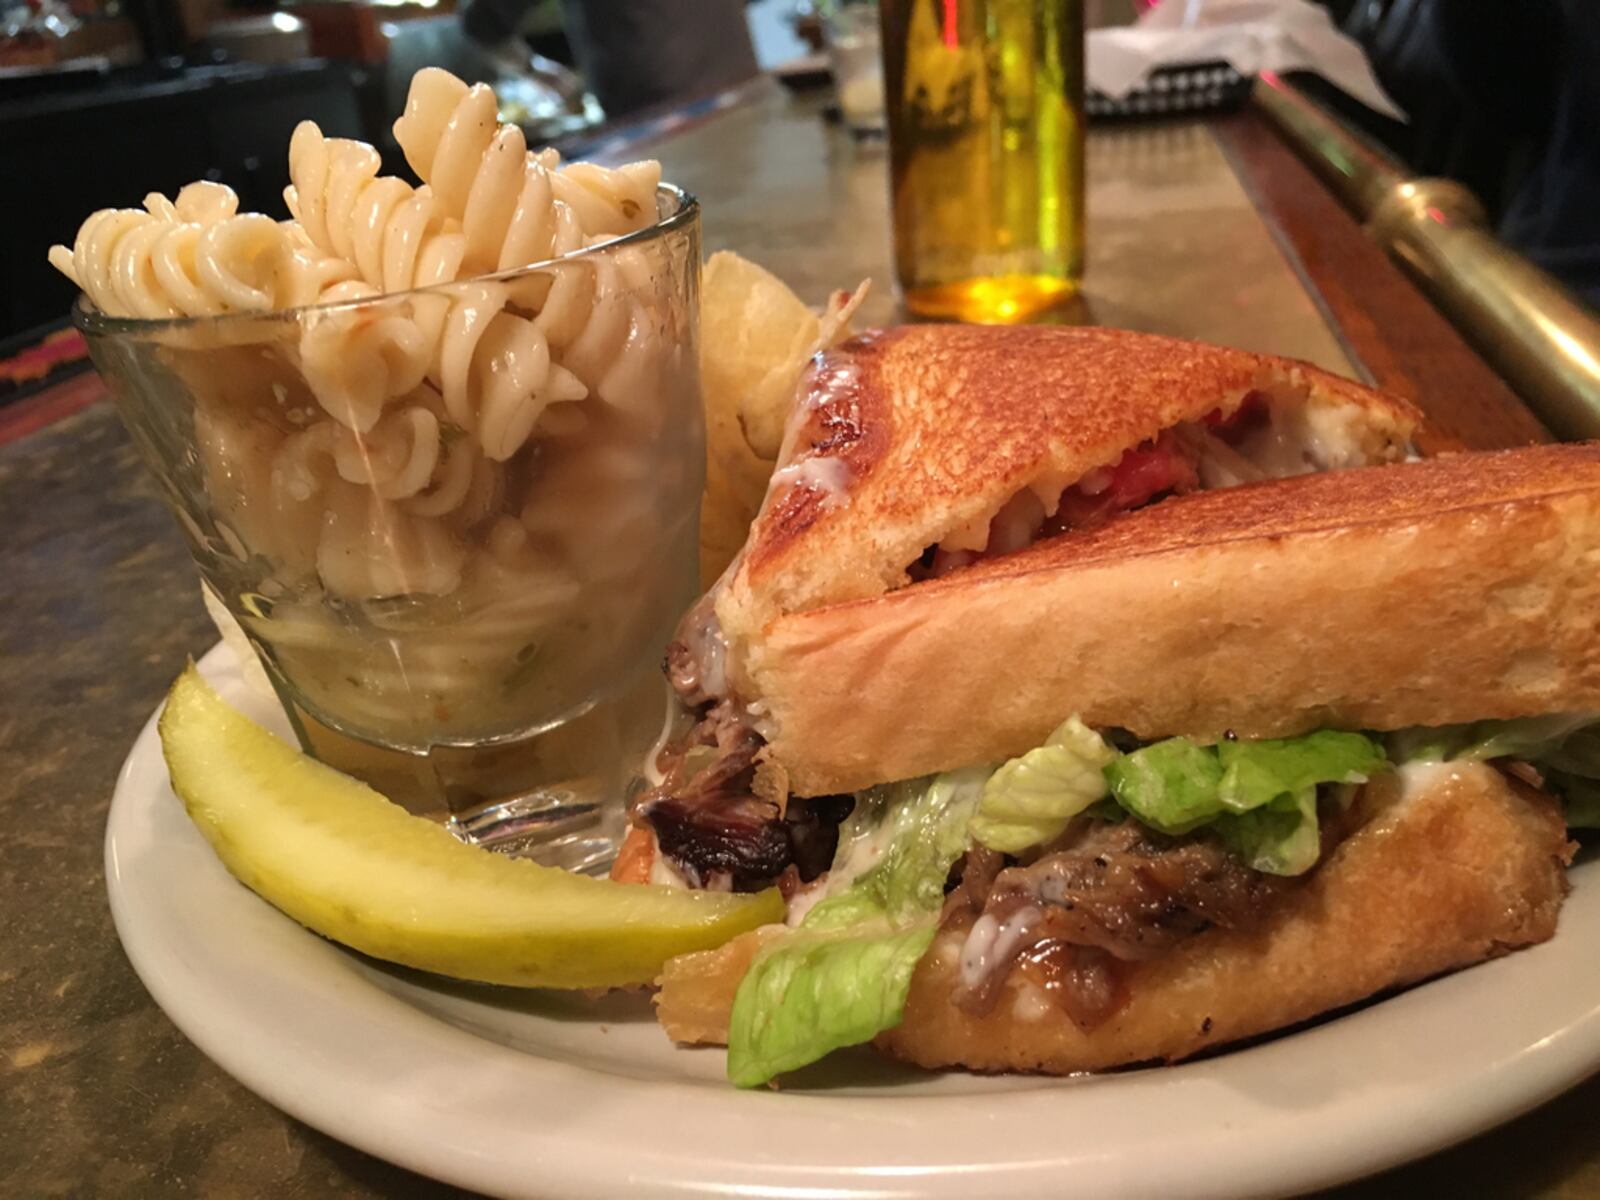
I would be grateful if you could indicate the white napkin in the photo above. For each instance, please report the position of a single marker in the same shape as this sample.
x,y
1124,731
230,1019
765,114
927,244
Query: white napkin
x,y
1251,35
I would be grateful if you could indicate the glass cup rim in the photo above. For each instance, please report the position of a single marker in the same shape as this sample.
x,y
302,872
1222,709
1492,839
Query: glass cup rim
x,y
93,322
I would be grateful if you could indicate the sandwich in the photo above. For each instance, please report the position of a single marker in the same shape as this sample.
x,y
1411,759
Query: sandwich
x,y
1291,744
915,452
1151,776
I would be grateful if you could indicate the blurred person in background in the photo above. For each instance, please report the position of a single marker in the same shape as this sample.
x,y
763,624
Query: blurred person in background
x,y
636,53
1504,98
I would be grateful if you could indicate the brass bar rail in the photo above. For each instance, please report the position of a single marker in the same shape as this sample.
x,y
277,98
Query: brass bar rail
x,y
1542,339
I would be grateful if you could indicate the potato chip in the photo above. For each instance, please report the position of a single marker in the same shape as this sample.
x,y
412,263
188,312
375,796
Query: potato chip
x,y
724,524
765,412
756,337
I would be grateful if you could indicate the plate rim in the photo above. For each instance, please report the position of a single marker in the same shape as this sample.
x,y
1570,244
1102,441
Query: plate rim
x,y
438,1115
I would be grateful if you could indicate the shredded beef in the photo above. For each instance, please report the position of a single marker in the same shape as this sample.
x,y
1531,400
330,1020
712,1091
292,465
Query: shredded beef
x,y
977,871
741,836
695,663
1119,894
683,673
706,816
813,827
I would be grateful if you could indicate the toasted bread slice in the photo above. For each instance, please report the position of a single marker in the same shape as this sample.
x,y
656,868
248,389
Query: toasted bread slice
x,y
905,437
1456,589
1452,865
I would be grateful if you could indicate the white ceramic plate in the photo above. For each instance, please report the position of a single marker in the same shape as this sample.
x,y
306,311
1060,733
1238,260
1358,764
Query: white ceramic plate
x,y
531,1094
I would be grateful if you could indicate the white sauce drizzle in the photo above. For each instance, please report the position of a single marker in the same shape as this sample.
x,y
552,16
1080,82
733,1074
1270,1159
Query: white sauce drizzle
x,y
849,864
829,477
805,900
832,382
669,725
833,378
662,872
701,633
991,943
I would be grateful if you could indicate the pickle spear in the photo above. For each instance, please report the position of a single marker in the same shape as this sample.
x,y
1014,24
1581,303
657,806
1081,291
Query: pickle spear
x,y
344,862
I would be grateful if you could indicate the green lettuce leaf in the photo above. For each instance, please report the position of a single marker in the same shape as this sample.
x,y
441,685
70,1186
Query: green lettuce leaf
x,y
923,831
813,993
1578,754
842,977
1580,797
851,908
1032,799
1530,738
1281,837
1170,786
1257,773
1564,749
1259,797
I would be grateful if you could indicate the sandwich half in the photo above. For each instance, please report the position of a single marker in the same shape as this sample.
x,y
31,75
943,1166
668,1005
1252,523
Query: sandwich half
x,y
1201,771
917,452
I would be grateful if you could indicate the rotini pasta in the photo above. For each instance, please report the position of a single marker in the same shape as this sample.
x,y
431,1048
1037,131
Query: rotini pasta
x,y
602,318
307,272
479,170
266,487
396,236
152,263
371,548
358,358
434,478
201,203
608,201
495,371
503,196
397,460
411,456
340,200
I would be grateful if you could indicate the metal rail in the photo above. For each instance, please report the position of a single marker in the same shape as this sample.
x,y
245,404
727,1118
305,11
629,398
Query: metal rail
x,y
1542,339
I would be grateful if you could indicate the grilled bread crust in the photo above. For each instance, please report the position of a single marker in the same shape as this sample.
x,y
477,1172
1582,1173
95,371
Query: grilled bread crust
x,y
1456,589
1461,867
1456,865
923,430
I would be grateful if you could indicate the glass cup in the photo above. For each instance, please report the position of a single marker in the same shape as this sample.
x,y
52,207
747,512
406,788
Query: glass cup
x,y
458,524
986,126
854,51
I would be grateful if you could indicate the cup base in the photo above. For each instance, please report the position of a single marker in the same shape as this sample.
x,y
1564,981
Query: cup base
x,y
991,300
556,827
557,797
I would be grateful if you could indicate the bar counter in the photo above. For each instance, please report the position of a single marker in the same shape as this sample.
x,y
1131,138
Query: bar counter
x,y
1208,229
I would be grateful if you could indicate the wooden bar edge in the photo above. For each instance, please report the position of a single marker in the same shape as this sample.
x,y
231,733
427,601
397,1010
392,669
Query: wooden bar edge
x,y
55,403
1388,327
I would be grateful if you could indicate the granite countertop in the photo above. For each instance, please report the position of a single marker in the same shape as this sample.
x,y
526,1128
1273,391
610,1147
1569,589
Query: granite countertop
x,y
102,1096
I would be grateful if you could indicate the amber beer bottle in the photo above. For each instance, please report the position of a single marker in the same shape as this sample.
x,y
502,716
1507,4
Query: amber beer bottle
x,y
985,108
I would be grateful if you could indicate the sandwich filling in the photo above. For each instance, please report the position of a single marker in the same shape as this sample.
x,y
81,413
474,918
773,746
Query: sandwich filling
x,y
719,821
1269,434
1083,858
